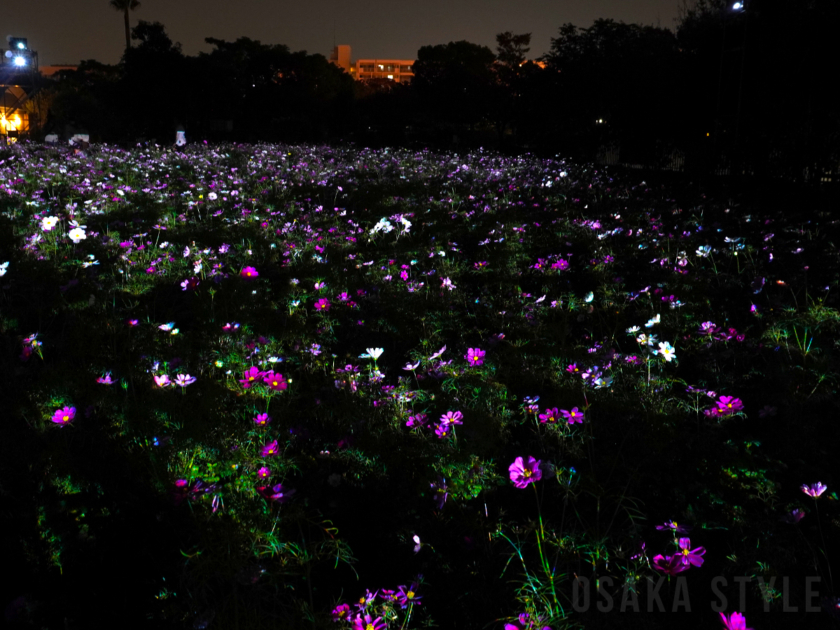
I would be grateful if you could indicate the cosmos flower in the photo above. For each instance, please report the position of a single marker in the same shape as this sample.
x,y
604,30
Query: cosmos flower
x,y
64,416
475,356
249,272
162,380
522,474
182,380
734,621
573,416
815,489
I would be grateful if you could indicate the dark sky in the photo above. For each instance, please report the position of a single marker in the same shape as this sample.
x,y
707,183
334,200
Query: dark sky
x,y
67,31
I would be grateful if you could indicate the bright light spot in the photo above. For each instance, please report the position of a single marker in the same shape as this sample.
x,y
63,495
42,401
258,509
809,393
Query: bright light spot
x,y
737,6
21,45
20,61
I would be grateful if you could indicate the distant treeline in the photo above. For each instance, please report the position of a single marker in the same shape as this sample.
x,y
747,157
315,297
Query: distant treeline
x,y
742,88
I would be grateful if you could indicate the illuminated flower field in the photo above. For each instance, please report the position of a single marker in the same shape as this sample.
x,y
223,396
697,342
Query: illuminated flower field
x,y
309,387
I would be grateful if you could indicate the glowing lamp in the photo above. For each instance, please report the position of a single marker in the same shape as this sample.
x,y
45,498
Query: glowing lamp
x,y
20,61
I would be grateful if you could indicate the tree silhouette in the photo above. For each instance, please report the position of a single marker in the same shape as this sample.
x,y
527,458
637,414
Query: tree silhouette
x,y
125,6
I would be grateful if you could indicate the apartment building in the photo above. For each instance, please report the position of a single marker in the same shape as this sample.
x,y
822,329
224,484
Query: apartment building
x,y
398,70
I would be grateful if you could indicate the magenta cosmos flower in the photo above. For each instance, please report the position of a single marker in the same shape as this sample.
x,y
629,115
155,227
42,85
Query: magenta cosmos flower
x,y
162,380
262,419
575,415
64,416
270,449
729,404
475,356
690,556
341,613
368,623
264,472
322,305
669,564
815,489
106,379
734,621
275,382
521,474
551,416
452,417
406,596
251,376
674,527
249,272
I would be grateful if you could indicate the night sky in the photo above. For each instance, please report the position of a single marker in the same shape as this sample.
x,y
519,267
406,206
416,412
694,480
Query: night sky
x,y
67,31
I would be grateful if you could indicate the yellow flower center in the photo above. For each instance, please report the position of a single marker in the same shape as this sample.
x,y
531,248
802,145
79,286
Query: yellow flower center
x,y
369,627
410,595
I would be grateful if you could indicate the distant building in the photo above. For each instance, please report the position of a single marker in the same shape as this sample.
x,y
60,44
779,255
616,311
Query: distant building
x,y
397,70
48,71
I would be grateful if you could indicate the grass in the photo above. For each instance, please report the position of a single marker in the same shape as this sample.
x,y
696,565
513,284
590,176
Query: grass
x,y
696,339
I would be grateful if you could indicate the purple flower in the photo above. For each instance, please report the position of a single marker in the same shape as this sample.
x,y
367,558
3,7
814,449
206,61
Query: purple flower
x,y
475,356
573,369
105,379
669,564
443,429
575,415
277,493
441,492
264,472
270,449
734,621
794,517
406,596
64,416
262,419
550,416
322,305
814,490
690,556
251,376
417,420
249,272
182,380
674,527
341,613
521,474
162,380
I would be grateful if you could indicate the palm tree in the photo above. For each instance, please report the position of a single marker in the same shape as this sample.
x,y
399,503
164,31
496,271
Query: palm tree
x,y
125,6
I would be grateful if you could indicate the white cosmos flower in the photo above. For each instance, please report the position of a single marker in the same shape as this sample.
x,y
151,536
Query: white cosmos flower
x,y
375,353
77,235
48,223
667,351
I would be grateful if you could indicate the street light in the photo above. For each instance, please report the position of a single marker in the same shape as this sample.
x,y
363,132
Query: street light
x,y
20,61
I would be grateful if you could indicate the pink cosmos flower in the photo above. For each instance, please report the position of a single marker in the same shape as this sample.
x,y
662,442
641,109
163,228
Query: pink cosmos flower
x,y
452,417
162,380
251,376
550,416
262,419
690,556
322,305
475,356
270,449
734,621
443,429
264,472
417,420
249,272
275,382
105,379
521,473
575,415
368,623
815,489
64,416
